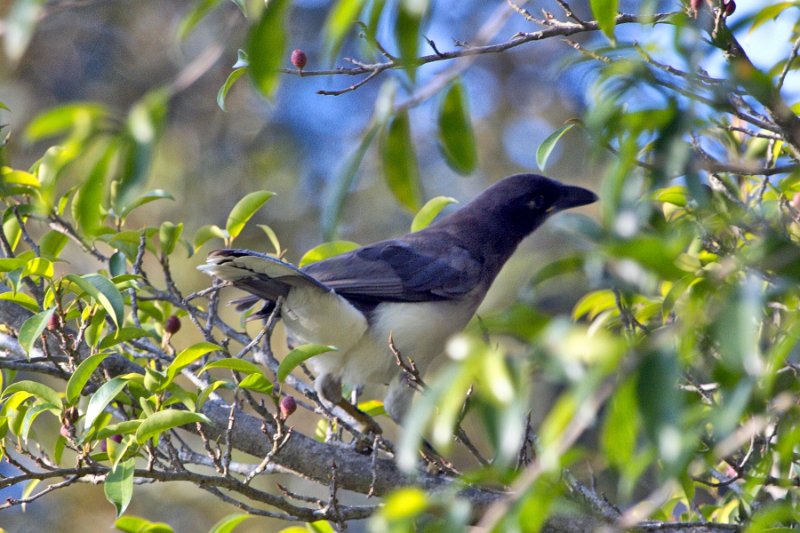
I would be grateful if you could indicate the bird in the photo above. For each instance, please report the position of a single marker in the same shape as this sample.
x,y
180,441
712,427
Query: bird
x,y
407,295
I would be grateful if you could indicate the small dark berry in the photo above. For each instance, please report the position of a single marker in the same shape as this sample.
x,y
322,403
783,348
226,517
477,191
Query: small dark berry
x,y
729,6
288,406
173,325
54,322
299,59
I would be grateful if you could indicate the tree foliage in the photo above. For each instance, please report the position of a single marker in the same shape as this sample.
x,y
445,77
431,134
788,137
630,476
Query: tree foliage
x,y
676,370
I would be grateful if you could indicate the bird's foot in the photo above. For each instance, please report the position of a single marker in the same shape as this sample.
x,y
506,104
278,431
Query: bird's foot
x,y
329,389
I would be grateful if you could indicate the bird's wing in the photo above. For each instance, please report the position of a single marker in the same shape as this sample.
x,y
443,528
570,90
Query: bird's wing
x,y
401,270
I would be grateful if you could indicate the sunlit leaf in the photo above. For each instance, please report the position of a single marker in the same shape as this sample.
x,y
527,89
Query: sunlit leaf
x,y
22,299
87,204
244,210
146,198
104,292
327,250
134,524
232,363
167,419
81,376
299,355
38,390
101,398
429,211
207,232
168,235
123,334
456,137
188,356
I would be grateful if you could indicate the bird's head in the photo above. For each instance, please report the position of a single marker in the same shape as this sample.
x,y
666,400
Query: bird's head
x,y
523,201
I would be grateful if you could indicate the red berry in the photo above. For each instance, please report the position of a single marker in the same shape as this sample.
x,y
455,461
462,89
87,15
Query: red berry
x,y
695,5
288,406
54,322
299,59
173,325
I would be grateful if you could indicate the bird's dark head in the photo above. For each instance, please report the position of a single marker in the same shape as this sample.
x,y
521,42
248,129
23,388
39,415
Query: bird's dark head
x,y
523,201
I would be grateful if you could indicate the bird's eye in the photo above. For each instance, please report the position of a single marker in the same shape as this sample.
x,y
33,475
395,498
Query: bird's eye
x,y
537,202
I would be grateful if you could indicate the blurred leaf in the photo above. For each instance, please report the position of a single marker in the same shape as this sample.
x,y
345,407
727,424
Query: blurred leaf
x,y
300,354
549,144
188,356
38,390
273,238
22,299
117,264
32,329
101,398
118,486
222,94
342,184
51,244
146,198
229,523
407,27
266,46
207,232
256,382
59,120
195,15
605,11
456,137
618,437
400,167
372,407
87,204
19,177
769,12
165,420
81,376
341,18
594,303
244,211
168,235
104,292
429,211
20,23
559,267
327,250
660,404
134,524
144,125
404,503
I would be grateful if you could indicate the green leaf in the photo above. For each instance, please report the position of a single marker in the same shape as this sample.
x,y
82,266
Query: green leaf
x,y
81,376
232,363
429,211
618,437
294,358
341,17
266,45
117,264
51,244
20,298
222,94
195,15
20,23
327,250
404,504
605,11
168,235
244,211
770,12
456,138
19,177
32,329
547,146
273,238
146,198
187,357
400,166
118,486
165,420
134,524
61,119
229,523
87,204
101,398
207,232
256,382
104,292
408,24
38,390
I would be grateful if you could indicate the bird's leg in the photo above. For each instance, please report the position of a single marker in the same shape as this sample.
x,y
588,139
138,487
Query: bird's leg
x,y
329,389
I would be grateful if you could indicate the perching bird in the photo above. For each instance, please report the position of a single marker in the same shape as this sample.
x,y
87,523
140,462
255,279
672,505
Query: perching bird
x,y
420,288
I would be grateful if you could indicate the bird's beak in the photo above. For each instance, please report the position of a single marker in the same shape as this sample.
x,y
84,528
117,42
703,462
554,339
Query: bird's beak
x,y
572,196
